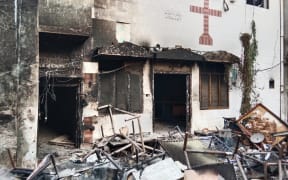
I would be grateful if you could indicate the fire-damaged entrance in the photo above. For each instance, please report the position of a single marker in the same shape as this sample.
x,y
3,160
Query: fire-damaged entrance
x,y
59,109
171,101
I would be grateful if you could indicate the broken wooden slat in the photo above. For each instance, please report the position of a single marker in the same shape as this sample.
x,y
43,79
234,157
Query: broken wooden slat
x,y
61,140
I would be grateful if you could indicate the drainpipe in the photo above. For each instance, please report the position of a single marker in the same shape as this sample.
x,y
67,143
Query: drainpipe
x,y
281,50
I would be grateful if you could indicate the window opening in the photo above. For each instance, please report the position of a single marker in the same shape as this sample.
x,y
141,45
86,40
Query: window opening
x,y
259,3
213,87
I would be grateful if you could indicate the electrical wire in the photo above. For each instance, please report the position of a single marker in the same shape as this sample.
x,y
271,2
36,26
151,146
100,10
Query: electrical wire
x,y
267,69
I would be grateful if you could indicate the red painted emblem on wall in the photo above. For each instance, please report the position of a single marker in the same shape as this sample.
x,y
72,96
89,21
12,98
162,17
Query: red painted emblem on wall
x,y
205,38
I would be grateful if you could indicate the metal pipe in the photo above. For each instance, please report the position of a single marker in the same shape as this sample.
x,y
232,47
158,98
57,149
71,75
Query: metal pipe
x,y
187,160
132,118
280,177
150,148
131,141
43,165
111,119
11,158
241,168
210,152
112,160
185,141
121,149
141,135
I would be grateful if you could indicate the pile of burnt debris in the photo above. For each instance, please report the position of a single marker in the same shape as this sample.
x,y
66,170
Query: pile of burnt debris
x,y
252,147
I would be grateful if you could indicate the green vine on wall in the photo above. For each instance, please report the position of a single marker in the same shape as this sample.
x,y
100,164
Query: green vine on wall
x,y
250,46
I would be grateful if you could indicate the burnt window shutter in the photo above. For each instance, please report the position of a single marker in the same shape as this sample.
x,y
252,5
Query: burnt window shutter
x,y
107,89
223,92
122,90
204,90
214,90
213,87
135,93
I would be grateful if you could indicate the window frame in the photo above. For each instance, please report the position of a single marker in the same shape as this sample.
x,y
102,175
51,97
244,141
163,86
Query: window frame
x,y
211,74
123,81
265,4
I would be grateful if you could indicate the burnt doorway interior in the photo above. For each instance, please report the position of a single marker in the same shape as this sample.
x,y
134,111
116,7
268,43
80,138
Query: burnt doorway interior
x,y
60,58
170,101
59,110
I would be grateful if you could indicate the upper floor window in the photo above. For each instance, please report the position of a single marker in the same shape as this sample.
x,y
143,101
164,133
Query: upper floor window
x,y
259,3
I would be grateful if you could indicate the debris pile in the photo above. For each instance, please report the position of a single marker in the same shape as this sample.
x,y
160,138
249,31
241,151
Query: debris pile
x,y
252,147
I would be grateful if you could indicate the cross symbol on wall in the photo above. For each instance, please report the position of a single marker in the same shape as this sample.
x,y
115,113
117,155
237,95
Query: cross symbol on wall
x,y
205,38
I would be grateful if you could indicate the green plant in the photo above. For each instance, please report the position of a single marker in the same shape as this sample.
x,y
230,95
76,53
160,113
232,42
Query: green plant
x,y
250,46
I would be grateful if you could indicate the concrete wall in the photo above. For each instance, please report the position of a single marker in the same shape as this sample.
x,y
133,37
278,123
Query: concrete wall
x,y
65,16
8,77
19,75
106,14
8,66
27,91
71,19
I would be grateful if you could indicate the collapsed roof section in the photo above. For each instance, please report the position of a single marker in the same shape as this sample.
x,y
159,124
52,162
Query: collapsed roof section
x,y
221,57
125,49
133,51
178,54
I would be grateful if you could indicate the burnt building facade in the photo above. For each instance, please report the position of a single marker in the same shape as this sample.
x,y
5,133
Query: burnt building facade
x,y
64,60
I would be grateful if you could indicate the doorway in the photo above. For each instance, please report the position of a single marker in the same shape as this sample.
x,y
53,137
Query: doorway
x,y
171,101
59,110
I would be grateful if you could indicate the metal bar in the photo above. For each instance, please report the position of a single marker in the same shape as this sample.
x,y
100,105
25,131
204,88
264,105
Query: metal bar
x,y
43,165
237,146
164,149
185,141
180,132
187,160
241,168
132,118
141,135
112,160
133,130
54,164
150,148
103,107
123,111
280,174
265,171
131,141
111,119
210,152
11,158
87,155
152,158
185,152
154,148
137,156
257,160
285,171
121,149
102,131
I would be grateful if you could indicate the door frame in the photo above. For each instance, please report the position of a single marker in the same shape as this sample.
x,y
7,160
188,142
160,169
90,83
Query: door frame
x,y
75,82
188,96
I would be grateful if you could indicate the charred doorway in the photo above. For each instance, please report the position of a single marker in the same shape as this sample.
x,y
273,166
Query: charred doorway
x,y
60,59
171,101
59,113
